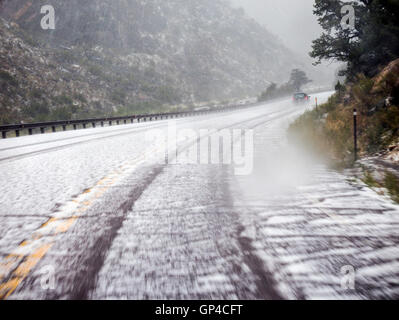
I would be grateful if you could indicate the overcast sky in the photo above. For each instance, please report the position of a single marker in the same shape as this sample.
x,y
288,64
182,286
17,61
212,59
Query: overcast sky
x,y
291,20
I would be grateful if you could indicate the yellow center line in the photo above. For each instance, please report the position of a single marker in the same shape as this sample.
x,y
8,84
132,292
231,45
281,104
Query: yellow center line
x,y
6,289
24,263
66,225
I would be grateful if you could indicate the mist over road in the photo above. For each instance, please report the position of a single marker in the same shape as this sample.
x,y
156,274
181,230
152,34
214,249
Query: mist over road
x,y
100,215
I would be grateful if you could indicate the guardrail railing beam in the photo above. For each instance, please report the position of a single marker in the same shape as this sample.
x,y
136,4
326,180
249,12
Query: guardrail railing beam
x,y
84,122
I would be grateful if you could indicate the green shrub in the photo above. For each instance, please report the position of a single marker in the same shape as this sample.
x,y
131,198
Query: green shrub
x,y
8,78
96,70
63,100
392,184
166,95
61,113
80,97
118,96
37,93
369,180
66,56
38,111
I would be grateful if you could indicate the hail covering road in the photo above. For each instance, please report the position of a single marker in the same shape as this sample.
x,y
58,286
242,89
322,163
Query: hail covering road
x,y
97,214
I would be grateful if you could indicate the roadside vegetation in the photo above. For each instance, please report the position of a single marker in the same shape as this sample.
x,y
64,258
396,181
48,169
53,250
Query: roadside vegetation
x,y
392,184
328,129
370,180
384,184
80,82
370,52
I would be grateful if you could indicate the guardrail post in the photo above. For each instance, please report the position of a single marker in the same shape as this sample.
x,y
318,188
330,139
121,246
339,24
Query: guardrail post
x,y
355,131
74,127
53,128
110,123
125,121
4,134
17,133
93,124
102,123
30,131
84,125
42,130
117,122
64,127
132,120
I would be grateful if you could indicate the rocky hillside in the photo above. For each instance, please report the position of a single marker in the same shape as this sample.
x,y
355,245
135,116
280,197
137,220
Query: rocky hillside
x,y
124,56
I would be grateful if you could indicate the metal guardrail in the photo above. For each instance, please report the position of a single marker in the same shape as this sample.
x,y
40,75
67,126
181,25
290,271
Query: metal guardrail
x,y
43,126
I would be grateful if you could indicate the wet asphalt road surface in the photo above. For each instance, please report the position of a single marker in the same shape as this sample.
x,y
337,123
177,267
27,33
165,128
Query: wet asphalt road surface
x,y
98,214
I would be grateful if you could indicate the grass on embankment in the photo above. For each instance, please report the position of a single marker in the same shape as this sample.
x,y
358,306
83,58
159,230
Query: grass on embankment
x,y
386,185
391,183
328,130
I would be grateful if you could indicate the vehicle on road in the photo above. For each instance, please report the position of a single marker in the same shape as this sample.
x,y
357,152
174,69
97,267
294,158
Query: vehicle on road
x,y
300,97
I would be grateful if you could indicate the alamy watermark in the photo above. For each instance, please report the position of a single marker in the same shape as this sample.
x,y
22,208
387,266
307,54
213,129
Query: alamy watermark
x,y
47,279
204,147
348,278
48,20
348,20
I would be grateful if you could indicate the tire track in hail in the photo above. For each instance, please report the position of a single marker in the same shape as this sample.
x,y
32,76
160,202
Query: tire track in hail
x,y
85,283
95,261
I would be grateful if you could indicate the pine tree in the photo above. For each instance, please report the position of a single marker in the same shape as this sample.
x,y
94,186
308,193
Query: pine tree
x,y
298,79
374,40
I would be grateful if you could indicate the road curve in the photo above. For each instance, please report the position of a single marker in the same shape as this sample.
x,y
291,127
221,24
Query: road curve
x,y
99,214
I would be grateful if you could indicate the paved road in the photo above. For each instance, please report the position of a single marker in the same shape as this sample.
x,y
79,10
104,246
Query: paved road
x,y
101,214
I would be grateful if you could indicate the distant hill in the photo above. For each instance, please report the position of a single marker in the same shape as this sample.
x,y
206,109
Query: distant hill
x,y
108,56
